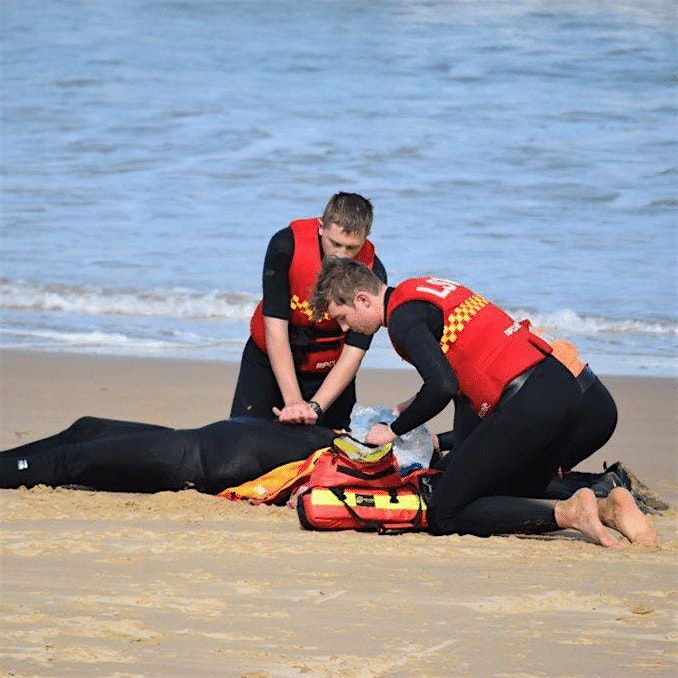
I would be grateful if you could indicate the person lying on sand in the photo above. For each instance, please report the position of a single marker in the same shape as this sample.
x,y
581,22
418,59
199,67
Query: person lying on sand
x,y
525,401
124,456
105,454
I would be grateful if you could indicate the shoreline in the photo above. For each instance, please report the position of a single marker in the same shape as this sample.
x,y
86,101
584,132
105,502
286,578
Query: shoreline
x,y
235,360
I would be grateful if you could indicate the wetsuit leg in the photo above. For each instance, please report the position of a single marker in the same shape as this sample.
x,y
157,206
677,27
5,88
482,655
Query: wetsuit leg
x,y
82,430
597,422
145,458
338,415
516,449
133,461
506,515
256,391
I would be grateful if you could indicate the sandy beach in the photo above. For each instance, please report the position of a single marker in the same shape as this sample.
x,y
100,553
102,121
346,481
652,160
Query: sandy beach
x,y
184,583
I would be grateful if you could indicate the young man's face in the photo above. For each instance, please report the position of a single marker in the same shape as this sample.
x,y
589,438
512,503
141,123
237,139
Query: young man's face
x,y
364,317
336,242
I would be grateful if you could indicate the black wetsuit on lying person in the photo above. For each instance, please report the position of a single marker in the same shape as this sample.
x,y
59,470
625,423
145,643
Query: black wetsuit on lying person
x,y
500,463
105,454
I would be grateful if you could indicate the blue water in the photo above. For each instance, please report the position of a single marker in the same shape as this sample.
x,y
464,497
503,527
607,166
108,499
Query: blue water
x,y
151,148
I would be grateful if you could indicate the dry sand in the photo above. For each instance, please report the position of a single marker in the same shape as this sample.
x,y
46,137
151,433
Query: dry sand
x,y
183,583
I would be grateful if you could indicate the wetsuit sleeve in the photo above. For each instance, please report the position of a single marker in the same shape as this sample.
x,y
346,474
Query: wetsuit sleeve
x,y
275,276
446,440
363,340
358,340
379,270
416,327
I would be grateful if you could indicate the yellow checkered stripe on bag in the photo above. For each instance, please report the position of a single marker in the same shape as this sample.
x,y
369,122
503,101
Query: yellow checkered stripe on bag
x,y
364,497
304,307
459,318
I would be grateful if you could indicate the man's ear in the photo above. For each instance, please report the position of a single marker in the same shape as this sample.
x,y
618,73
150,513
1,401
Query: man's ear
x,y
362,298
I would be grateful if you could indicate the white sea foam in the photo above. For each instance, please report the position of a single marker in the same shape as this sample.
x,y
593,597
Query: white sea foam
x,y
237,307
95,301
92,339
567,322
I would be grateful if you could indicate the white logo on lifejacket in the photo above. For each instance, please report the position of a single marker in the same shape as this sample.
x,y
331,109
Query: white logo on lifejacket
x,y
483,410
322,366
22,464
513,328
446,286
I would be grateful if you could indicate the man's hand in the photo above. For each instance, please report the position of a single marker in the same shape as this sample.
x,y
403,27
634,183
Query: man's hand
x,y
436,442
296,413
379,435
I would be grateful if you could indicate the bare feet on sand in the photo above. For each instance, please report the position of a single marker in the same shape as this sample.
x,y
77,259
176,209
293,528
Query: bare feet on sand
x,y
619,511
580,512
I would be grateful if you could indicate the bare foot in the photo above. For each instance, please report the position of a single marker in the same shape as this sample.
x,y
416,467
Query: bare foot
x,y
620,512
580,512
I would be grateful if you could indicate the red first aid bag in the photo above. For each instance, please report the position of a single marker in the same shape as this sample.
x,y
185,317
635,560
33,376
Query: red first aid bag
x,y
363,492
376,468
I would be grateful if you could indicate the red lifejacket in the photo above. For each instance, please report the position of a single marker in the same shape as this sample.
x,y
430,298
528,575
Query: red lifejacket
x,y
484,346
316,345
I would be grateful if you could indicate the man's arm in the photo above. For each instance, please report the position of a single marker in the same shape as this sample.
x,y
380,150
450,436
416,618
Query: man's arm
x,y
276,323
416,327
280,356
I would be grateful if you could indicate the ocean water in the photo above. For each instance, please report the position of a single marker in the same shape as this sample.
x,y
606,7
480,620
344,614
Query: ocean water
x,y
150,148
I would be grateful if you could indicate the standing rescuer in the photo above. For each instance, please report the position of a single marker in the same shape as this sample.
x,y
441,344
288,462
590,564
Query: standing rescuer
x,y
294,366
526,405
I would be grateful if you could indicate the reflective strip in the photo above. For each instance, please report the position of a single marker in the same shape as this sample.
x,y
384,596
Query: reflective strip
x,y
305,308
356,450
459,318
321,496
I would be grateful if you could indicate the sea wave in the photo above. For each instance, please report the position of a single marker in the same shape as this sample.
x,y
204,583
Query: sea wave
x,y
568,322
96,301
93,339
238,306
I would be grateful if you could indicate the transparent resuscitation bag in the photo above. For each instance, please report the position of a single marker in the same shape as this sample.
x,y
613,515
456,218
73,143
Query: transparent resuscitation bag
x,y
413,450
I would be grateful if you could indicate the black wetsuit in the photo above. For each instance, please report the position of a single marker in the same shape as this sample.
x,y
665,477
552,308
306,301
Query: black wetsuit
x,y
105,454
501,461
256,391
596,423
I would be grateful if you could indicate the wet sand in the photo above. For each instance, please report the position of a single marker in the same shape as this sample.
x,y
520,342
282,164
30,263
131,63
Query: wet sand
x,y
178,583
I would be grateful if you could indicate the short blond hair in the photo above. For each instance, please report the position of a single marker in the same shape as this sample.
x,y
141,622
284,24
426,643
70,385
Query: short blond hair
x,y
339,280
